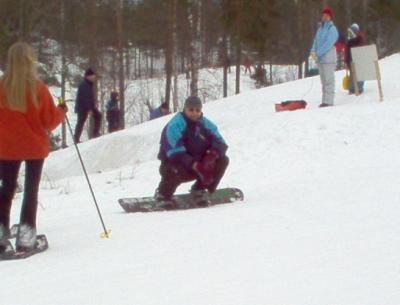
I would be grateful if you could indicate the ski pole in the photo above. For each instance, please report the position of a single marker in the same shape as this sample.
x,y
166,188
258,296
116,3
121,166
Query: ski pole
x,y
105,233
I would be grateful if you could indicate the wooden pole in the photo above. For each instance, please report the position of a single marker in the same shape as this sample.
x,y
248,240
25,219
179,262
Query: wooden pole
x,y
355,82
378,77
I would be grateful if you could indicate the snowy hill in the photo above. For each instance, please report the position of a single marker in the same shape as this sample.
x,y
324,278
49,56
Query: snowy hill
x,y
140,91
319,224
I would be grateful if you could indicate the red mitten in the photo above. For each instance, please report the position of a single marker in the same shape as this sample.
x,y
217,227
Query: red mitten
x,y
210,159
205,176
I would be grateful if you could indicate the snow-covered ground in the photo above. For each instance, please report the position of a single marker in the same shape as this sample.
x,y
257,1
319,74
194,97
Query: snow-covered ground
x,y
319,224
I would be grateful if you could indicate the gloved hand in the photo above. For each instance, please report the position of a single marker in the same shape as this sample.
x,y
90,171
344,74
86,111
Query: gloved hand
x,y
351,34
314,56
204,175
63,106
210,159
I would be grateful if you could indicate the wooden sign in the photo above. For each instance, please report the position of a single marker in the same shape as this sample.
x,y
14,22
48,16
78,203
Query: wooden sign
x,y
365,66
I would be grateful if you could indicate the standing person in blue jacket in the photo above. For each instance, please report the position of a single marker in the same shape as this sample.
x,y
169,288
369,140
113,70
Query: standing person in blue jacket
x,y
191,148
324,53
85,104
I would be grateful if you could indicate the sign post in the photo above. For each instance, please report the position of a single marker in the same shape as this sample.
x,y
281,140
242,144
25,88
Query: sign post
x,y
365,66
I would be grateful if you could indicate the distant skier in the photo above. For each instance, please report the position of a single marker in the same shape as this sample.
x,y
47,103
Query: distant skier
x,y
355,39
113,112
85,104
324,53
191,148
159,111
27,114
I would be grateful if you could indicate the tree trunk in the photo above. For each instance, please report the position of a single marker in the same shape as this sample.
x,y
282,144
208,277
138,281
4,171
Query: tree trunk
x,y
174,55
152,63
136,63
139,64
238,60
271,77
63,72
169,53
121,74
194,21
114,69
238,46
306,68
300,71
225,64
348,12
365,4
128,63
302,49
93,60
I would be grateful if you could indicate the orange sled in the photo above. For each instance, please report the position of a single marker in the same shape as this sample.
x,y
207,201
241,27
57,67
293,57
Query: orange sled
x,y
290,106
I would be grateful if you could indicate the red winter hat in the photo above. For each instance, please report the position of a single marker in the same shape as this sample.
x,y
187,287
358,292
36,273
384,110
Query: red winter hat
x,y
327,11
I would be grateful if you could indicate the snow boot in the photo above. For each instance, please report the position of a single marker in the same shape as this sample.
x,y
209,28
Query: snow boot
x,y
323,105
26,238
163,202
200,197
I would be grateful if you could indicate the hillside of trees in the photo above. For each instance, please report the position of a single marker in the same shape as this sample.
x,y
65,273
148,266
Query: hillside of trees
x,y
130,39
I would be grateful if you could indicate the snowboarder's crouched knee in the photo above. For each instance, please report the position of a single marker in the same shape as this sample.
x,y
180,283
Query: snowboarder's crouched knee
x,y
172,171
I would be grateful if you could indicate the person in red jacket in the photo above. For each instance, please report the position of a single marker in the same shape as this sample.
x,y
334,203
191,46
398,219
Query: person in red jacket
x,y
356,38
27,114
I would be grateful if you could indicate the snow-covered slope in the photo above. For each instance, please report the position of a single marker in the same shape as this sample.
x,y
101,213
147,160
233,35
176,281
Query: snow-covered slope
x,y
319,224
140,91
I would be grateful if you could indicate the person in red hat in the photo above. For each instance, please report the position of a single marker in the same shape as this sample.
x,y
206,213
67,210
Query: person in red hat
x,y
323,52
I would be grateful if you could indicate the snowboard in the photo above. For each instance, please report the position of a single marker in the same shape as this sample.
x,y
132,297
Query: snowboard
x,y
183,201
10,254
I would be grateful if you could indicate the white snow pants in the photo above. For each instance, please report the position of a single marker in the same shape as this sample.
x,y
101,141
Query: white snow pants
x,y
327,73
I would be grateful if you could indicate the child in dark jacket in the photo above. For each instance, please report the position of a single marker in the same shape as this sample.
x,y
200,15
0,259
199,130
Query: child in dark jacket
x,y
113,113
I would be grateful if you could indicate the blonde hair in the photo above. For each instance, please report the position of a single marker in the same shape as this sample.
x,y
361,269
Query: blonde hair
x,y
20,78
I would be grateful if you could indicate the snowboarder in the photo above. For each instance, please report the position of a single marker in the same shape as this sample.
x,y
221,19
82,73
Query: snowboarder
x,y
85,104
25,120
159,111
113,112
355,39
324,54
191,148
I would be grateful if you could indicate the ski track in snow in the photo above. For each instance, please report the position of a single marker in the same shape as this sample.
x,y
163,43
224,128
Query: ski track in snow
x,y
319,224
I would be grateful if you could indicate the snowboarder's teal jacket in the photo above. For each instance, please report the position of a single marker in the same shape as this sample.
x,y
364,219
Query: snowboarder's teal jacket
x,y
185,141
324,43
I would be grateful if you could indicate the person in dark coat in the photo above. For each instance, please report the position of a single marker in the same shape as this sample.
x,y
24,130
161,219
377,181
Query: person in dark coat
x,y
191,148
113,112
356,38
85,104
